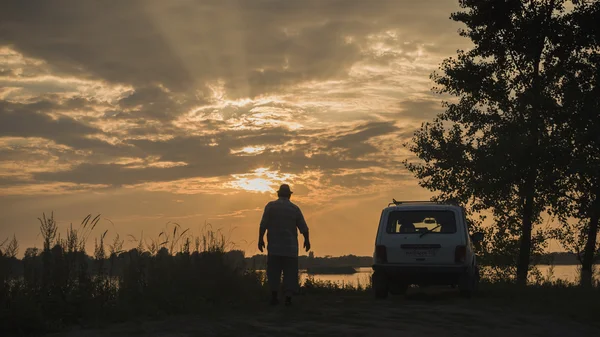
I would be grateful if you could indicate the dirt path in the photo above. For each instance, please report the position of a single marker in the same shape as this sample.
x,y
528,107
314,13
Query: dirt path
x,y
362,316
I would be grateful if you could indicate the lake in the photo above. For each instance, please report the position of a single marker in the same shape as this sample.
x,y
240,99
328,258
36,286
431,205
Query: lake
x,y
568,273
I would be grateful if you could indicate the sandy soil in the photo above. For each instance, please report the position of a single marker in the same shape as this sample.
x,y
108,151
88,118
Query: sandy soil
x,y
312,315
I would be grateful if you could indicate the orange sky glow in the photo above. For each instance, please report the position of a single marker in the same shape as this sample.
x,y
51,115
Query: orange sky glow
x,y
194,112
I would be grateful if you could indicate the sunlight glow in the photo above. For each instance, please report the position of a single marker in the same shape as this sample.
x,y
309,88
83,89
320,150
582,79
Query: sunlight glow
x,y
261,180
167,164
254,185
249,150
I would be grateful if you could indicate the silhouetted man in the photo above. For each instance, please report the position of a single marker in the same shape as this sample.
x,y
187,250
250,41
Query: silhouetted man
x,y
281,221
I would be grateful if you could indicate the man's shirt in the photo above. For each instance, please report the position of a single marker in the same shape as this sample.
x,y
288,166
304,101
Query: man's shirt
x,y
282,220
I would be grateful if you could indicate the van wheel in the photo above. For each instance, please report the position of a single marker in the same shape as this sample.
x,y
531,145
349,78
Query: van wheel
x,y
476,279
399,289
469,284
380,285
466,287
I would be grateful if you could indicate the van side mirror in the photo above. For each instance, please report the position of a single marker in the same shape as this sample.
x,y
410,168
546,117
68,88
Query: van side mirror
x,y
477,237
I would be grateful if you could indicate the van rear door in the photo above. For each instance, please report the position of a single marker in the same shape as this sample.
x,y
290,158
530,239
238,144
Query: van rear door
x,y
421,236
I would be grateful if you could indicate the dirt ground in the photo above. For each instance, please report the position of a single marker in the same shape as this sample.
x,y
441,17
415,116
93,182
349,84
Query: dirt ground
x,y
421,314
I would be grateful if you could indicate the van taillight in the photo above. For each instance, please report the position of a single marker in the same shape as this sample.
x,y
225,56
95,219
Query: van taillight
x,y
460,254
381,254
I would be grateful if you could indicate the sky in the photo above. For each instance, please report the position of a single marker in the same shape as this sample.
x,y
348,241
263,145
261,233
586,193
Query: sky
x,y
193,112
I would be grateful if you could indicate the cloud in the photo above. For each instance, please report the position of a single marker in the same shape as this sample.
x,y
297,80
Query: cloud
x,y
420,108
355,142
152,92
31,120
201,159
86,154
254,47
34,121
156,102
48,189
111,41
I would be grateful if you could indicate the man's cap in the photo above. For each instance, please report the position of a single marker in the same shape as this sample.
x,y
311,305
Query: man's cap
x,y
284,188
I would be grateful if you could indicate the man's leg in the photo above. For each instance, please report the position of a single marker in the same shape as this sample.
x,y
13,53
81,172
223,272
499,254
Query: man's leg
x,y
290,278
274,269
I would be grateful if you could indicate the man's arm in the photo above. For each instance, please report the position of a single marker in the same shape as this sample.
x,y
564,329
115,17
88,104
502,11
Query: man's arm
x,y
264,224
306,240
261,239
303,228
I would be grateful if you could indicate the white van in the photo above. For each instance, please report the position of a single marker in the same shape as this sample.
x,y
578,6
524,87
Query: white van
x,y
424,243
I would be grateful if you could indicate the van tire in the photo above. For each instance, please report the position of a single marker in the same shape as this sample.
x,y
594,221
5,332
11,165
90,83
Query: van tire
x,y
399,289
466,288
476,279
380,285
469,284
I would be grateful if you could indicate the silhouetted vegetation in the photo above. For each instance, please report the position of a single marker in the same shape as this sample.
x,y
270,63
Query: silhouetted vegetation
x,y
177,273
61,285
519,139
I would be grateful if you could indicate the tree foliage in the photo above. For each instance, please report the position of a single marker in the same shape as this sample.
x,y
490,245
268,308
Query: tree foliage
x,y
492,148
578,122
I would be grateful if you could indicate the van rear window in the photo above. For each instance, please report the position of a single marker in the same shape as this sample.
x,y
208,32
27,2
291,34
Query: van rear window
x,y
415,222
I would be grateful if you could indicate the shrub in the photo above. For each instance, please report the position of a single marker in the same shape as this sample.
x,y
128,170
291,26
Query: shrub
x,y
61,285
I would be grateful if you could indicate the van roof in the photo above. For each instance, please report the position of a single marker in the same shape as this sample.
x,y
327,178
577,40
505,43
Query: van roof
x,y
397,205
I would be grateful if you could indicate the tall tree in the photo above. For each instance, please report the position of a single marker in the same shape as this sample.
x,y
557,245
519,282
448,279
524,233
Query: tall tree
x,y
578,67
492,145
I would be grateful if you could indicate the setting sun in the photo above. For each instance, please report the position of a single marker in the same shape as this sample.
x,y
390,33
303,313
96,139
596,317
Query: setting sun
x,y
254,185
260,180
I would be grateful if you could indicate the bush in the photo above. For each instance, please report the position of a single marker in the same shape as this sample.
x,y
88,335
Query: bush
x,y
62,286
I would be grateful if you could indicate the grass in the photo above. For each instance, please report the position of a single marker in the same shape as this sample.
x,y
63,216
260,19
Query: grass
x,y
556,298
61,286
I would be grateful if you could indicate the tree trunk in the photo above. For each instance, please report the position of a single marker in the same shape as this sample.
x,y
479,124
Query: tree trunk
x,y
535,127
526,229
589,253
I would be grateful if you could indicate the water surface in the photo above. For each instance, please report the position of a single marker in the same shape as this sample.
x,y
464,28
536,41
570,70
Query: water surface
x,y
569,273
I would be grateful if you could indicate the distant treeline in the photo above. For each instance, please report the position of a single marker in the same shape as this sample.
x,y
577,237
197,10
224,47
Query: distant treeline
x,y
259,262
117,262
304,262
